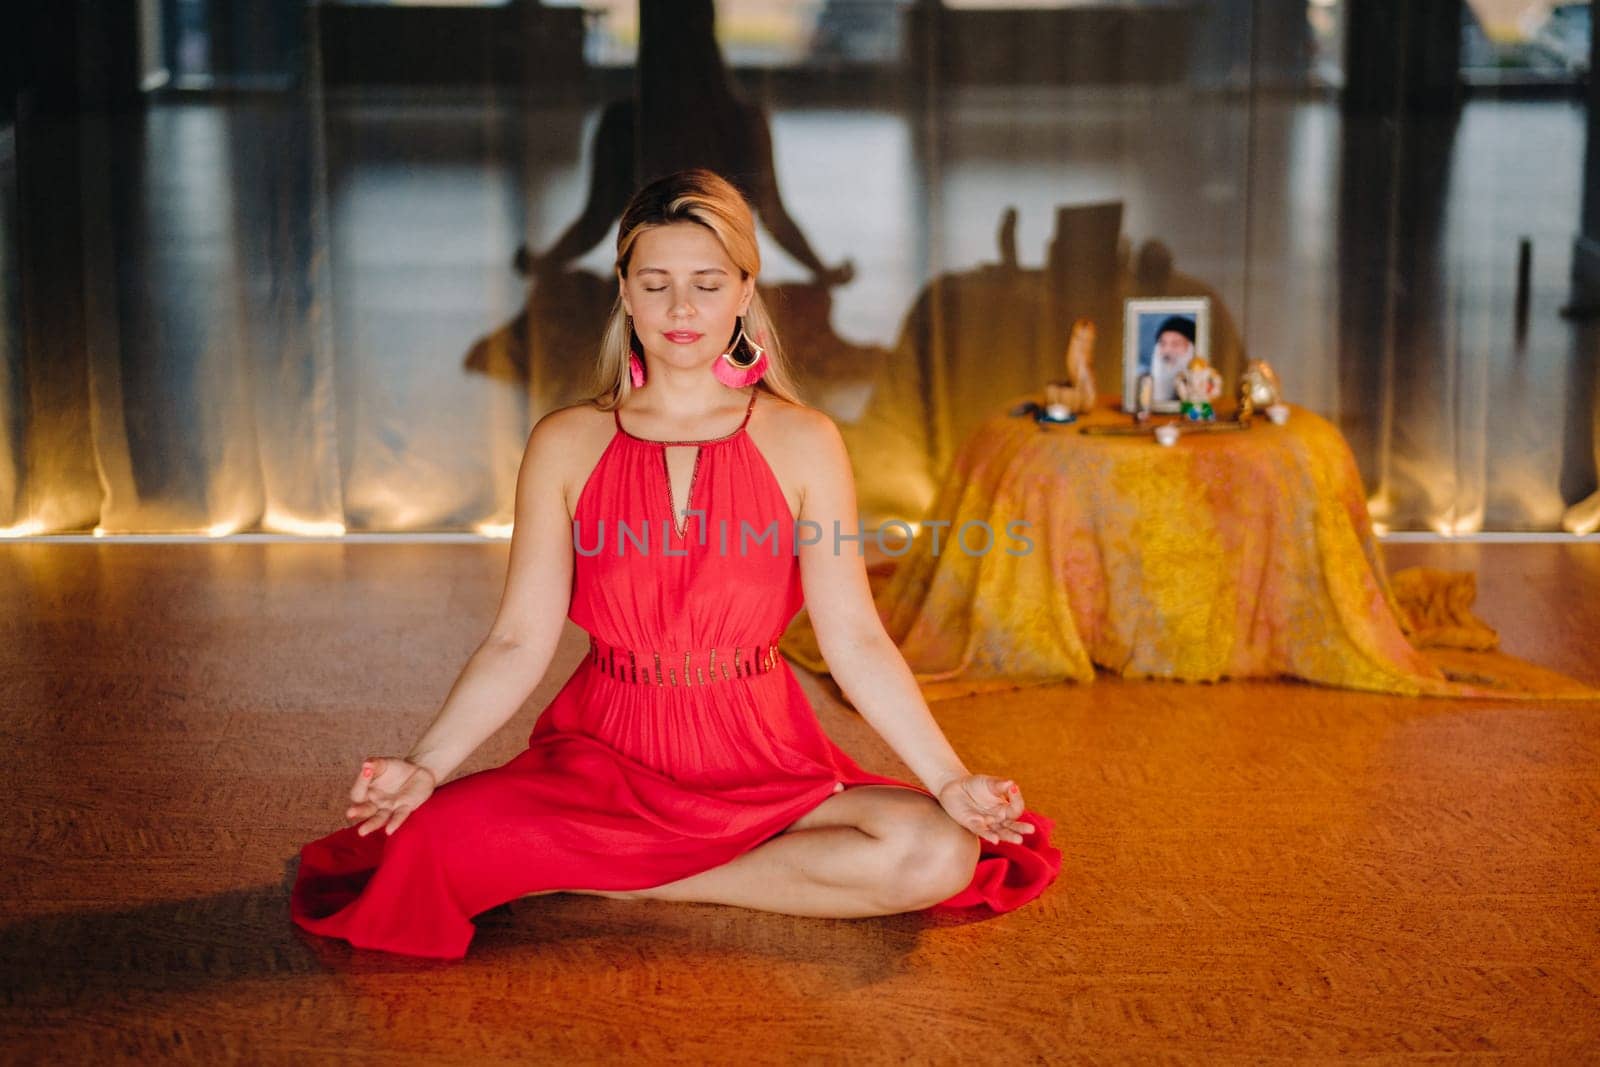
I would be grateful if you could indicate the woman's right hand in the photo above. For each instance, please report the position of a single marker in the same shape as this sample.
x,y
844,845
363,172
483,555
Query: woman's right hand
x,y
387,790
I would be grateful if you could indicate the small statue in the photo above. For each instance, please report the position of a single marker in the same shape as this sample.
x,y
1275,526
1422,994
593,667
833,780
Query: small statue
x,y
1198,384
1076,393
1258,389
1144,398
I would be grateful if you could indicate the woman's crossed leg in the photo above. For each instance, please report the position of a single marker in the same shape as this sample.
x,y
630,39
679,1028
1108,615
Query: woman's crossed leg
x,y
870,850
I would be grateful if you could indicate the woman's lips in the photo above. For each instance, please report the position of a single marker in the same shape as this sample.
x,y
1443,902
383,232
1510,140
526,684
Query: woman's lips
x,y
683,337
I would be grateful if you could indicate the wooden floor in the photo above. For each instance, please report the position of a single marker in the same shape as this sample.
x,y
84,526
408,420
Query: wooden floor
x,y
1253,871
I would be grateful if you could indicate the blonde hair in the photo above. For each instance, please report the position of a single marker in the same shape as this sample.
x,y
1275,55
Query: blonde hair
x,y
702,197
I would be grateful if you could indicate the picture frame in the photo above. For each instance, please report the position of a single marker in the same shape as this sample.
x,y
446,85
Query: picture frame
x,y
1144,321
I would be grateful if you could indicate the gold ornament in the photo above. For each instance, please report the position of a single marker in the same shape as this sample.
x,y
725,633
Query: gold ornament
x,y
1258,388
1076,393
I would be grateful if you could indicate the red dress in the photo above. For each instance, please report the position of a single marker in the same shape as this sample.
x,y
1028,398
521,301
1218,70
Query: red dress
x,y
682,741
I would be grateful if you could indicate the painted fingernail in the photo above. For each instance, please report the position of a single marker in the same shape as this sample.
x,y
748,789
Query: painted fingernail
x,y
1013,787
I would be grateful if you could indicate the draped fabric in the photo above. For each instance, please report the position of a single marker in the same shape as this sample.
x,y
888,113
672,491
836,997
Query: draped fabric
x,y
1242,554
307,310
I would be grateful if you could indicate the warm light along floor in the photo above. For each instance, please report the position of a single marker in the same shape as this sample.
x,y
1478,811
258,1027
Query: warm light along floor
x,y
1253,870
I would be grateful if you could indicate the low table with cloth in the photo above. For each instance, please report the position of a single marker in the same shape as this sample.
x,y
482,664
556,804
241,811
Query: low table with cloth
x,y
1235,554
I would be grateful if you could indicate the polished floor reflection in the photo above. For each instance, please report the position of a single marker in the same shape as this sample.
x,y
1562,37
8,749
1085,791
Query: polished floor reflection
x,y
319,325
1252,871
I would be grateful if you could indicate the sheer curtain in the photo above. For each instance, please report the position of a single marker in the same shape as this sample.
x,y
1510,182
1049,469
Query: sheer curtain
x,y
311,310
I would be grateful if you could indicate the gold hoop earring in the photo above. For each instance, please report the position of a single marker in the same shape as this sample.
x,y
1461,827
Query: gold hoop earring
x,y
755,350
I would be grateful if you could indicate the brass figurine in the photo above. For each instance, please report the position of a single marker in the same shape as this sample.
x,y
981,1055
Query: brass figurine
x,y
1076,393
1258,388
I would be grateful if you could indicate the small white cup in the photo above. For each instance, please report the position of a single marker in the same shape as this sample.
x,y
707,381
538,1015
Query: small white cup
x,y
1059,412
1167,435
1278,413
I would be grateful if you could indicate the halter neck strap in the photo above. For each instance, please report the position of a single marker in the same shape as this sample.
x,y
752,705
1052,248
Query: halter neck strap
x,y
616,417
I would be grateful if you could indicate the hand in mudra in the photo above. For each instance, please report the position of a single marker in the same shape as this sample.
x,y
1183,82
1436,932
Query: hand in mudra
x,y
986,805
386,791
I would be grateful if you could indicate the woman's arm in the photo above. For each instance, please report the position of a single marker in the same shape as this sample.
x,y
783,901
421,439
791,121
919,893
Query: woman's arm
x,y
866,663
517,651
862,658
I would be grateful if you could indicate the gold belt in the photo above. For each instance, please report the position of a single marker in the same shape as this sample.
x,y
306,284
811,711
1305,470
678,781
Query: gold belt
x,y
652,667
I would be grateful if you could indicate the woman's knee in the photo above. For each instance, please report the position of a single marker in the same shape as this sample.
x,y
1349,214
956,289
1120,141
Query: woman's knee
x,y
455,808
447,815
425,826
929,857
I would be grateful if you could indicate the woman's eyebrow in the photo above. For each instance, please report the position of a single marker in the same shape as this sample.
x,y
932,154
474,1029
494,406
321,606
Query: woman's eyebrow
x,y
662,270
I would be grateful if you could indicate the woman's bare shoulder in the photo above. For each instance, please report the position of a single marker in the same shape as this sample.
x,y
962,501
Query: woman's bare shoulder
x,y
572,438
792,427
797,441
581,410
573,422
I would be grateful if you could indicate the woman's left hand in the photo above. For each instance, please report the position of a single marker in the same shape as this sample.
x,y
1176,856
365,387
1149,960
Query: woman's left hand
x,y
986,805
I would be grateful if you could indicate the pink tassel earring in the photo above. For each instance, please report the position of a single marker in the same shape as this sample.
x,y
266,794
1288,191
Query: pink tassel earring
x,y
737,373
635,366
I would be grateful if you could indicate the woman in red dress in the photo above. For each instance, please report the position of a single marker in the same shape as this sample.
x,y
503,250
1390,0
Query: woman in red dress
x,y
682,524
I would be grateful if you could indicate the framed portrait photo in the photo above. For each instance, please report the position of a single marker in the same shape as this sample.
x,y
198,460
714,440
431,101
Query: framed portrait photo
x,y
1160,336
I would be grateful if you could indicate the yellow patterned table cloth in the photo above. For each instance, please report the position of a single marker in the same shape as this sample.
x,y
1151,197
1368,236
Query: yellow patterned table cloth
x,y
1242,554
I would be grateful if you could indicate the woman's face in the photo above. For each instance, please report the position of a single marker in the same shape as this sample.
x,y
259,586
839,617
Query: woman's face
x,y
684,293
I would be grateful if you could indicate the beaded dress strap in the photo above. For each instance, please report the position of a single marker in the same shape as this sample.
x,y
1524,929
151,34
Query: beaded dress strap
x,y
748,408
